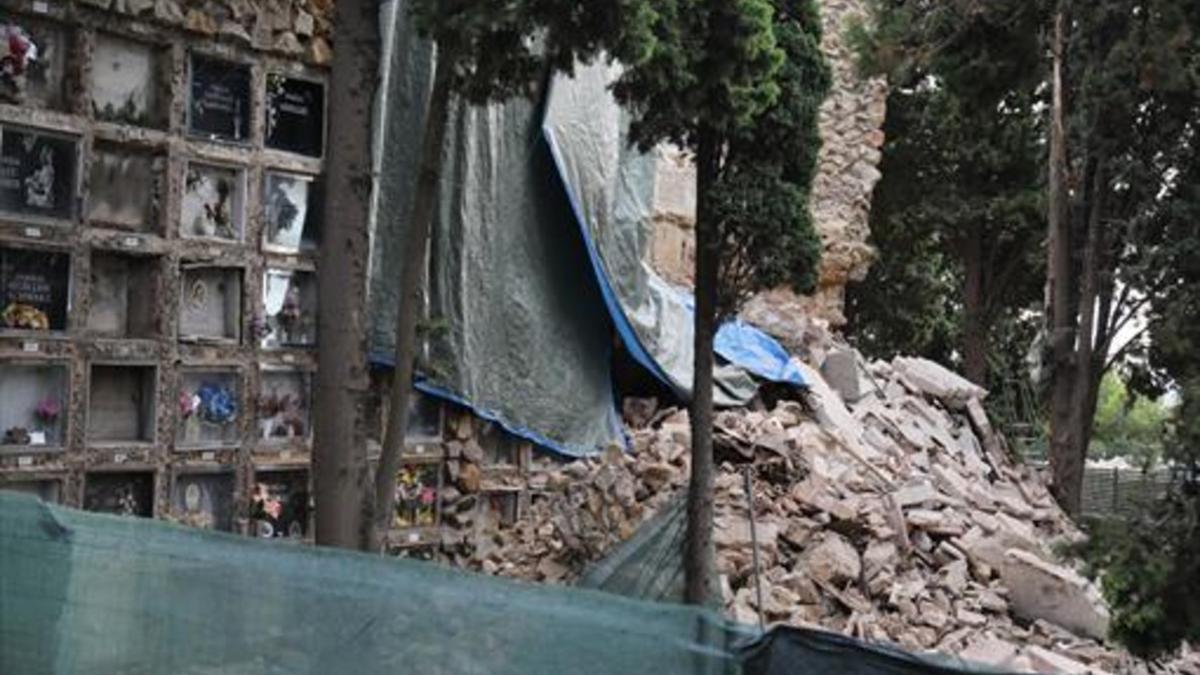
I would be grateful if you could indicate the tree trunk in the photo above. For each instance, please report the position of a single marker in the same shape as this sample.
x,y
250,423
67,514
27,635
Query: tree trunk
x,y
699,556
974,338
340,472
1064,460
412,296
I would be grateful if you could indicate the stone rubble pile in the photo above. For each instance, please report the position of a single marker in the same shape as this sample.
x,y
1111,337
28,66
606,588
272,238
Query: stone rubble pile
x,y
886,506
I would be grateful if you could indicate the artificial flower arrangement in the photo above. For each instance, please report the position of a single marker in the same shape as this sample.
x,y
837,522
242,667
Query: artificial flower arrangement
x,y
416,498
271,514
211,403
28,317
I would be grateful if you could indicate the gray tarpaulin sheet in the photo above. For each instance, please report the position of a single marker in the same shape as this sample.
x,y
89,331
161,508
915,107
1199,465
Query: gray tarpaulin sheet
x,y
611,187
538,253
518,330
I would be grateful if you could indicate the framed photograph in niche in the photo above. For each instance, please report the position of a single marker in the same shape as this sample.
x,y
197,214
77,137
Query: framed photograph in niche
x,y
35,289
38,173
290,225
125,188
121,403
209,409
214,200
279,504
290,307
203,500
127,85
48,490
34,399
284,405
295,115
124,296
210,303
218,99
34,57
418,495
124,494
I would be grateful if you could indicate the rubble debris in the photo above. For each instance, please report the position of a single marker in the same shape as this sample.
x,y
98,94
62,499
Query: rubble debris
x,y
897,517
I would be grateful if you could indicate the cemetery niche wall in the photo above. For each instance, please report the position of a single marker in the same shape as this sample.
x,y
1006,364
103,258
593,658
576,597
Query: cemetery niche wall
x,y
157,174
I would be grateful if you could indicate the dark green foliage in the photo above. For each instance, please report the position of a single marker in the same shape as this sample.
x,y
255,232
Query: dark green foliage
x,y
505,49
958,171
752,73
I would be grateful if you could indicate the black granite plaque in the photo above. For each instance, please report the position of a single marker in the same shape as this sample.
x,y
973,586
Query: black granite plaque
x,y
219,104
34,288
37,173
295,115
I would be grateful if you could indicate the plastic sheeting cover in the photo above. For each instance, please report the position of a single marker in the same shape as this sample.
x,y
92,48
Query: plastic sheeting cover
x,y
521,333
611,187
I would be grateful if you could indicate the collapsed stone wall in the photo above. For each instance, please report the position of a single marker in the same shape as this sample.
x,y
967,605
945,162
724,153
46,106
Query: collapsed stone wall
x,y
850,123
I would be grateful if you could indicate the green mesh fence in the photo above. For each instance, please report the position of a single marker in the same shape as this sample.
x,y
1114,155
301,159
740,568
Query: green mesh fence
x,y
87,593
97,594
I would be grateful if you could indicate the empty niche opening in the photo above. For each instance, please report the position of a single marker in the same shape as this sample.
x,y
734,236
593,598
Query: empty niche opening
x,y
283,405
48,490
290,305
203,500
279,504
214,200
500,508
128,85
34,63
121,404
39,173
124,296
124,494
209,409
125,188
33,405
34,289
500,448
210,303
418,492
288,206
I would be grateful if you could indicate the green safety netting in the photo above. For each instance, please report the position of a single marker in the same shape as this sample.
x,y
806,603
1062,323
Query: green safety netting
x,y
97,594
88,593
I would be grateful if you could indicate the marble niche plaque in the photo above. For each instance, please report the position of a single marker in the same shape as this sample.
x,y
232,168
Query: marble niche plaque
x,y
34,289
219,99
38,173
295,115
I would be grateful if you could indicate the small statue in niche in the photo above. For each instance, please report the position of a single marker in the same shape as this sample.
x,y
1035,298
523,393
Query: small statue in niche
x,y
290,316
17,52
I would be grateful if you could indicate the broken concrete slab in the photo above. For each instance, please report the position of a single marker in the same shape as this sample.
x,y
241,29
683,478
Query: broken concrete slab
x,y
1043,590
930,378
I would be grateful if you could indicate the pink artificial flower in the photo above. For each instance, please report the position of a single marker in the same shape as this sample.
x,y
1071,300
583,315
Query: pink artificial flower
x,y
187,404
48,409
428,495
